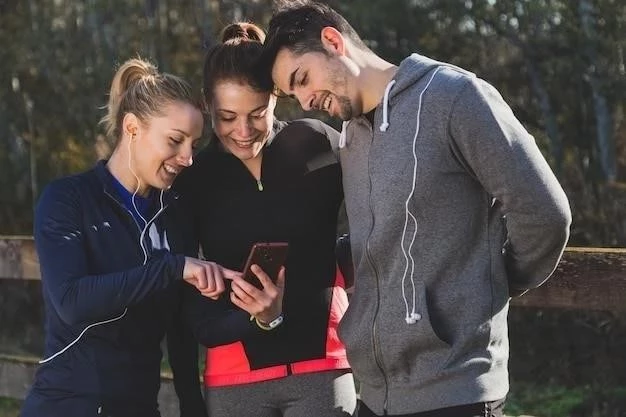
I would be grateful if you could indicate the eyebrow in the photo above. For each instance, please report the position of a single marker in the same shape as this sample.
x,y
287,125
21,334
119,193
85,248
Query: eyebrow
x,y
261,107
186,134
182,131
292,79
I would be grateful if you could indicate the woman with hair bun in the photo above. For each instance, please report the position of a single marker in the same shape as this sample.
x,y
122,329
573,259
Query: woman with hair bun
x,y
110,246
264,180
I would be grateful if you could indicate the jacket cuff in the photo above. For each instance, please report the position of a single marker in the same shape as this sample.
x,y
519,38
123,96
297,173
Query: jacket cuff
x,y
179,266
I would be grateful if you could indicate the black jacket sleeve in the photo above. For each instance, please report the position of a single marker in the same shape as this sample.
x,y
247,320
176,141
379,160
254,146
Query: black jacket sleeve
x,y
216,323
183,353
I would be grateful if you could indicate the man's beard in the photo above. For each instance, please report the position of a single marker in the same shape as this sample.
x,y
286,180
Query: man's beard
x,y
345,108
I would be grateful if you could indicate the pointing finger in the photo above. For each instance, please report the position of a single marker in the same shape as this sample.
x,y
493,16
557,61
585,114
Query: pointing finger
x,y
230,274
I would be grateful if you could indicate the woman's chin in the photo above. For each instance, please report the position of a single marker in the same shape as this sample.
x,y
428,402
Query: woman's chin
x,y
247,152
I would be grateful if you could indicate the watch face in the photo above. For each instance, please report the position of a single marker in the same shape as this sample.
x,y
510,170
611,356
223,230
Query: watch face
x,y
271,325
276,322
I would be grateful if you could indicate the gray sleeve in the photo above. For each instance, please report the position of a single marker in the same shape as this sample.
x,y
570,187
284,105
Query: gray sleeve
x,y
505,159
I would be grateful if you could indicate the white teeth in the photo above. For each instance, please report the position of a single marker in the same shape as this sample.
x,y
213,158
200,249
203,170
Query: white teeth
x,y
171,170
244,143
326,103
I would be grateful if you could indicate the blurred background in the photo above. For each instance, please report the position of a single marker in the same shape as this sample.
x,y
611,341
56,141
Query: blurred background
x,y
559,64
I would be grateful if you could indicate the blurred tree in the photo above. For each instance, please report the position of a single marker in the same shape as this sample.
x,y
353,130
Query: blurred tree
x,y
559,64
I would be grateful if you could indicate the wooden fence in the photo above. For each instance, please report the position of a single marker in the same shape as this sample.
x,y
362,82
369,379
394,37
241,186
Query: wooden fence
x,y
586,279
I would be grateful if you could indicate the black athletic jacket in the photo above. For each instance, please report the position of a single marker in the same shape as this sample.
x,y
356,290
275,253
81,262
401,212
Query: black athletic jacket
x,y
297,201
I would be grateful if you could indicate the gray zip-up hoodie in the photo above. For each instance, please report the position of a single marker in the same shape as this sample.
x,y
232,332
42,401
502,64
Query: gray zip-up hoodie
x,y
451,207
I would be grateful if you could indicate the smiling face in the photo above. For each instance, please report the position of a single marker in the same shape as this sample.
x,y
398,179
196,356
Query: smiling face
x,y
242,118
163,145
319,81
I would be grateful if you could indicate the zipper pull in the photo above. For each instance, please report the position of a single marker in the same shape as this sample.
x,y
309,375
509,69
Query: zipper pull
x,y
259,185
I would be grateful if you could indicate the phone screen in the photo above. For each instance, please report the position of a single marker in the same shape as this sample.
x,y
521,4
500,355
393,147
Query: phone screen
x,y
269,256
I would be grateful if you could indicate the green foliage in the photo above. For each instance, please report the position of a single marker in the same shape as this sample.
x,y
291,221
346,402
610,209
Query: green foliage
x,y
9,407
559,401
565,80
551,401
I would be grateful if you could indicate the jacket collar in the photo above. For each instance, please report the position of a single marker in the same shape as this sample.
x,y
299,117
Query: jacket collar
x,y
215,144
106,179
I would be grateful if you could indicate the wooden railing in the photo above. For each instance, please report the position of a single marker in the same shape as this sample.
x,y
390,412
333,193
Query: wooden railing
x,y
586,279
18,260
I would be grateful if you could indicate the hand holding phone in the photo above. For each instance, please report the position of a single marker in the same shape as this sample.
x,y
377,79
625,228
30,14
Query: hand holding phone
x,y
265,304
269,256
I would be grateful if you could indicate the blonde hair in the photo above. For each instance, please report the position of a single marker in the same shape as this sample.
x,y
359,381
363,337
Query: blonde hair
x,y
139,88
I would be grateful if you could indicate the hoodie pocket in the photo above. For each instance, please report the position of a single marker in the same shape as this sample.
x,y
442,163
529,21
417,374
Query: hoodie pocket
x,y
431,333
355,332
413,352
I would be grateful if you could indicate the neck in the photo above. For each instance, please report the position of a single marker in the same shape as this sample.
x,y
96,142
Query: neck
x,y
254,165
375,73
118,166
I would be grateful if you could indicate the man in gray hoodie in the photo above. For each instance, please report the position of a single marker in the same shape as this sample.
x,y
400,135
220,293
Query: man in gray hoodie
x,y
452,210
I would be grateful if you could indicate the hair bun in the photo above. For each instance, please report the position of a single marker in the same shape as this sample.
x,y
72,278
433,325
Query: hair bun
x,y
243,31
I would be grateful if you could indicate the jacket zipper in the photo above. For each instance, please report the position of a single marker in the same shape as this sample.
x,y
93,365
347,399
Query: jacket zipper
x,y
377,351
125,209
133,217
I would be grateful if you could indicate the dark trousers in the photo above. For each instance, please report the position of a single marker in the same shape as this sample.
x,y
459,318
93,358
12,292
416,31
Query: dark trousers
x,y
488,409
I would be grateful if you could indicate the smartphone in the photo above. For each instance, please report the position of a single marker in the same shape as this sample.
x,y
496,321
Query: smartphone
x,y
270,256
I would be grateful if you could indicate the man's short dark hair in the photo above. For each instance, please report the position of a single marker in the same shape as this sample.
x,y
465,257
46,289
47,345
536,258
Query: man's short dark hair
x,y
297,25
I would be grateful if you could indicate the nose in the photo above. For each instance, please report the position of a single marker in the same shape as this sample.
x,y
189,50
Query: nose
x,y
243,127
305,101
185,157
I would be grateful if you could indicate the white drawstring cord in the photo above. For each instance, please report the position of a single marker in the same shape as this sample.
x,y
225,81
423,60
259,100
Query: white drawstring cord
x,y
145,260
145,222
49,358
342,136
385,124
143,232
413,316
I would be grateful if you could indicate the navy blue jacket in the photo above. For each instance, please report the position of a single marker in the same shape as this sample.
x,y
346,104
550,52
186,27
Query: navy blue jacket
x,y
93,271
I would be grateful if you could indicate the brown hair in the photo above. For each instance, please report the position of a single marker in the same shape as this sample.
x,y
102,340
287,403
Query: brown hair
x,y
297,26
139,88
235,58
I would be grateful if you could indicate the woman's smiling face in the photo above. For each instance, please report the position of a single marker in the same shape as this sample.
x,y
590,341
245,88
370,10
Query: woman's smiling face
x,y
242,117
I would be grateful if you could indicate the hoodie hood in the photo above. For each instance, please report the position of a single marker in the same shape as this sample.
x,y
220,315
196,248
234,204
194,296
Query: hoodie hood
x,y
410,71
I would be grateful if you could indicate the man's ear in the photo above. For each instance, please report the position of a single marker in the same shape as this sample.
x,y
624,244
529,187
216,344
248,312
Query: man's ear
x,y
130,125
333,41
271,105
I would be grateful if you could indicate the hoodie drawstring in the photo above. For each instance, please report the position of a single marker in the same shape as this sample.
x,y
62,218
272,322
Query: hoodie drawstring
x,y
412,316
342,136
385,124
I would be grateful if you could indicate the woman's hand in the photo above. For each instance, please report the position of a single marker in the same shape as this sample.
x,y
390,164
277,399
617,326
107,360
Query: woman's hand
x,y
207,277
264,304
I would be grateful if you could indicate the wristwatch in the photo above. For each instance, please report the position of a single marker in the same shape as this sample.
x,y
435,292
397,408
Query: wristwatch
x,y
272,324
